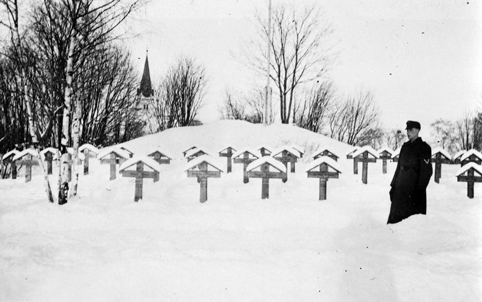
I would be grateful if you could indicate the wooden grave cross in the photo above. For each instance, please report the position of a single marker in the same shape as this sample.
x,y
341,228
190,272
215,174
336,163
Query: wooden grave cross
x,y
471,156
26,157
123,148
470,177
245,160
355,160
115,156
363,155
324,165
228,153
439,157
49,153
199,168
385,154
265,151
457,159
327,153
265,174
160,157
300,150
194,153
89,152
139,174
288,155
8,159
187,150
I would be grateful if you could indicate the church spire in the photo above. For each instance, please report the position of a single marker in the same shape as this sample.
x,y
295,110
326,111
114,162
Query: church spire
x,y
146,87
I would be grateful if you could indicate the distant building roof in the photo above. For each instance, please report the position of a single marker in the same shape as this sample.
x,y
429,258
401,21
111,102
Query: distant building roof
x,y
146,87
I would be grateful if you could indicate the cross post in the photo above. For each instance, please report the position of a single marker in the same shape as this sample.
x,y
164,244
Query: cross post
x,y
112,161
86,161
229,153
265,175
140,174
202,175
470,178
28,167
385,156
323,175
245,161
355,165
365,160
48,159
439,160
286,157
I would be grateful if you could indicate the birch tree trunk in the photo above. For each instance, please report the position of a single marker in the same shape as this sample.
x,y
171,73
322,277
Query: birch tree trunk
x,y
75,139
65,165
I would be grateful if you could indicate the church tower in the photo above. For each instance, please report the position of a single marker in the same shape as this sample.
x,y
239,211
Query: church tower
x,y
146,87
145,97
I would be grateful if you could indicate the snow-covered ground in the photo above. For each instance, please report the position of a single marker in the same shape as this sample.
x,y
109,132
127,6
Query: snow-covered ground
x,y
103,246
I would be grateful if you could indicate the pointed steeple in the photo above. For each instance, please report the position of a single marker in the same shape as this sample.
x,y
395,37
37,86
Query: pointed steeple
x,y
146,87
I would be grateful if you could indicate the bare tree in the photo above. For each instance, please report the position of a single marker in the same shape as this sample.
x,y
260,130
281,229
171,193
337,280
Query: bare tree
x,y
444,135
300,50
180,95
21,70
394,138
244,107
469,131
348,120
90,24
312,113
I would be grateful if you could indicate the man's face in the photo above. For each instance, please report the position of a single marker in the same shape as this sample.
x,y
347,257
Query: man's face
x,y
412,133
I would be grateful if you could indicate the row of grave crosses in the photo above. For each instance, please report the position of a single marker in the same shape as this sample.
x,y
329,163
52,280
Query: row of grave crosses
x,y
273,163
265,163
468,173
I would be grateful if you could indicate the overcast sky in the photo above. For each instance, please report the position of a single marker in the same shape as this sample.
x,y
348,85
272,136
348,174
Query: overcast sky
x,y
422,59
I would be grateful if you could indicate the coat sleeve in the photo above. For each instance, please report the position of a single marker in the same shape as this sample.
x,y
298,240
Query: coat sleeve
x,y
425,167
396,172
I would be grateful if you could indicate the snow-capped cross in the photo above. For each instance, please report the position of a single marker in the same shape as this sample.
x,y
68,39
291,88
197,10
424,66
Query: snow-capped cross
x,y
264,163
467,174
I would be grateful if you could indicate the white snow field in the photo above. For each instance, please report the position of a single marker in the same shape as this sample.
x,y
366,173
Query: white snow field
x,y
103,246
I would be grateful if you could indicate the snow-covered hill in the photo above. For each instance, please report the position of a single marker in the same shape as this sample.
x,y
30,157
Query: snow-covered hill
x,y
238,134
102,246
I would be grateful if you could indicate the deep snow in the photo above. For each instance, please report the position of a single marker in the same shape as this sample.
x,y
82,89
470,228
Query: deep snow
x,y
102,246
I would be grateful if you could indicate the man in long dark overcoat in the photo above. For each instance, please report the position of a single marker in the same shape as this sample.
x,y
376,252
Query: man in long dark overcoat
x,y
411,178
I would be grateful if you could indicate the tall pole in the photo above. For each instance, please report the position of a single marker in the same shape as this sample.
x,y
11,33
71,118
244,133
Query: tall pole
x,y
267,100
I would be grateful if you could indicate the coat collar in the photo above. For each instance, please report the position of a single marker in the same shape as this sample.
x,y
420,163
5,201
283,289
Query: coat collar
x,y
416,141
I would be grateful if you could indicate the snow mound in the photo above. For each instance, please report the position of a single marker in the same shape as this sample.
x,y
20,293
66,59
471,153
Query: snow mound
x,y
219,134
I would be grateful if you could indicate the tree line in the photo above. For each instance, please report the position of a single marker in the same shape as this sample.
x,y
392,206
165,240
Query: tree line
x,y
65,79
301,51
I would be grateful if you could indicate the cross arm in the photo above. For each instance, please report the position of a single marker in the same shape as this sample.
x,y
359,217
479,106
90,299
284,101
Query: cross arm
x,y
257,174
210,174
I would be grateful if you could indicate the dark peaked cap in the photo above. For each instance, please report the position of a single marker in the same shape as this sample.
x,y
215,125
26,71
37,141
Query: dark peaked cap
x,y
413,124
